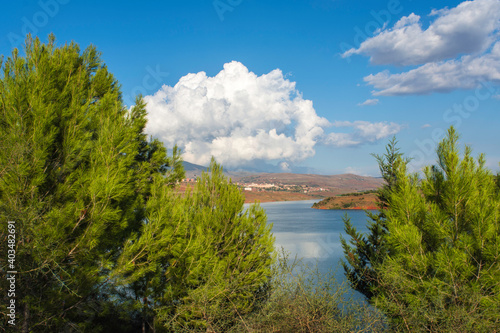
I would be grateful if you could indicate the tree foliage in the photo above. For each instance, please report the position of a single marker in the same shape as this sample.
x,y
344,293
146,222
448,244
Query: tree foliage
x,y
104,241
202,260
75,176
441,268
363,253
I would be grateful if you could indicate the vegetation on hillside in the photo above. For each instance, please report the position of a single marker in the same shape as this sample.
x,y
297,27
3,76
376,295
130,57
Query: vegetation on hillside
x,y
357,194
357,200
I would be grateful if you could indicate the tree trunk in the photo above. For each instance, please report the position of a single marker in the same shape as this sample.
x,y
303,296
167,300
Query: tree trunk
x,y
25,326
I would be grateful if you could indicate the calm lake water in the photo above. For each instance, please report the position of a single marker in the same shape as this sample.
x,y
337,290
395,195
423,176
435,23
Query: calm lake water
x,y
312,234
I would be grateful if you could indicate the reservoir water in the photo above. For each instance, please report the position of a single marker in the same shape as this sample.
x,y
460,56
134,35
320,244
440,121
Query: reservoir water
x,y
313,234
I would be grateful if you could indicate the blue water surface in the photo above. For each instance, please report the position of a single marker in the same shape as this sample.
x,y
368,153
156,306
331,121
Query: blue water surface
x,y
313,234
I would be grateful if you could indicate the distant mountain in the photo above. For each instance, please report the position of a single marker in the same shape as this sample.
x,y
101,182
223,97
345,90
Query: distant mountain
x,y
193,167
331,184
249,169
334,184
193,170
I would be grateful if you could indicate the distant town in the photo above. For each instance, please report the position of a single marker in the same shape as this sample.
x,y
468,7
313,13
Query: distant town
x,y
265,187
270,187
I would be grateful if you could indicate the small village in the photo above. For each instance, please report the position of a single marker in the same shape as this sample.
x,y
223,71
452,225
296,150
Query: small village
x,y
269,187
278,187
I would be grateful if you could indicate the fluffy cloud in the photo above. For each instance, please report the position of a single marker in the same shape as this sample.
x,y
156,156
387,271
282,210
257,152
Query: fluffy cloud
x,y
235,116
459,50
465,73
469,28
364,132
284,166
369,102
239,118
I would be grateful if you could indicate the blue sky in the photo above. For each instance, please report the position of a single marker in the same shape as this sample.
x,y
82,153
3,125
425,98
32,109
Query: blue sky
x,y
303,86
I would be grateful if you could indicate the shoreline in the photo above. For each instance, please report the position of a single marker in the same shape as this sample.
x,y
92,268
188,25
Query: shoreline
x,y
264,197
350,208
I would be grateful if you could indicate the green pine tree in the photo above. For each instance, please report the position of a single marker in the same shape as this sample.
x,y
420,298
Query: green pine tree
x,y
364,252
76,171
441,268
497,180
201,261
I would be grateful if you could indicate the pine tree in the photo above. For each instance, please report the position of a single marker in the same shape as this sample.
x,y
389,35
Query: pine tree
x,y
362,252
497,180
441,267
75,175
200,260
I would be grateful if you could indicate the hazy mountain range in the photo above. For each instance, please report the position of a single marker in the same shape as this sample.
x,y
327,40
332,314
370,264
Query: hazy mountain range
x,y
334,183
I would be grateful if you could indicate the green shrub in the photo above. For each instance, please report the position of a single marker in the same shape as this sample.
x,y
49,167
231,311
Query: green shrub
x,y
304,300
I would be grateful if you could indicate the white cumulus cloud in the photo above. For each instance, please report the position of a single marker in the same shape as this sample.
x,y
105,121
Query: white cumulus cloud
x,y
363,132
285,167
235,116
465,73
459,50
469,28
240,118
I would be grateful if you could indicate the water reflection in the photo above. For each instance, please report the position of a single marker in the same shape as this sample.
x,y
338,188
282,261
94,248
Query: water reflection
x,y
319,246
312,234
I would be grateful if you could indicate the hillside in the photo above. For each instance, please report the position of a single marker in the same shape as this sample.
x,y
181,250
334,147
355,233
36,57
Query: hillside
x,y
193,170
349,201
334,184
288,187
265,187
